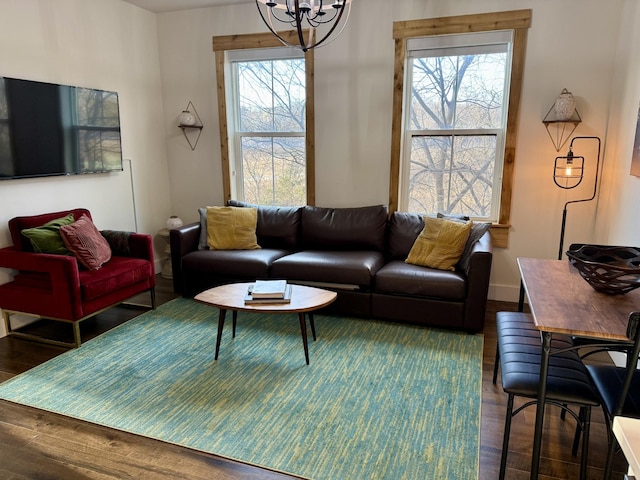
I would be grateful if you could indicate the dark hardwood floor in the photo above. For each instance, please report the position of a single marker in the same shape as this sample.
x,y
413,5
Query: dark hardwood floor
x,y
40,445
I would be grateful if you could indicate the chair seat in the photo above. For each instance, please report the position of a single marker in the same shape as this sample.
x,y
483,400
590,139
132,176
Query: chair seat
x,y
520,348
609,379
117,273
568,382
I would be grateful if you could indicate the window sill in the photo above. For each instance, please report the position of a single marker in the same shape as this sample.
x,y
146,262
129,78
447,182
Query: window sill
x,y
500,234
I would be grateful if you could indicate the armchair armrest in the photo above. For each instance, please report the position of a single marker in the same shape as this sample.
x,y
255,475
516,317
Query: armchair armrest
x,y
182,241
129,244
61,300
141,246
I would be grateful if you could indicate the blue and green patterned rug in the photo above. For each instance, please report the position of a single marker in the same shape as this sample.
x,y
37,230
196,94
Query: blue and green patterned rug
x,y
378,401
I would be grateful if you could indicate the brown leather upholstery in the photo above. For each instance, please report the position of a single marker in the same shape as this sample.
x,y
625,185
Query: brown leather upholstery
x,y
359,252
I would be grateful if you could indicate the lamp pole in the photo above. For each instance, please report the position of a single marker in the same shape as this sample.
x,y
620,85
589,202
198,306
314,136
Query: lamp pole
x,y
595,189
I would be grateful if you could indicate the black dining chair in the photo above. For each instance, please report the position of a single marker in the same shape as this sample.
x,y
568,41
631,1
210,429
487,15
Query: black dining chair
x,y
519,353
619,387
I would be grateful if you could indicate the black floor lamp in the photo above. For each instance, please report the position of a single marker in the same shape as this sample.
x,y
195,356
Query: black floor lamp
x,y
570,170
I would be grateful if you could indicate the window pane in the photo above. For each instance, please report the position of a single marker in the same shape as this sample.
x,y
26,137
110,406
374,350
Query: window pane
x,y
434,80
458,91
98,150
429,174
273,170
452,174
272,96
481,92
96,108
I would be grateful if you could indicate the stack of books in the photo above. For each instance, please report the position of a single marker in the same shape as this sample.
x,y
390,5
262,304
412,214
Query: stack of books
x,y
268,291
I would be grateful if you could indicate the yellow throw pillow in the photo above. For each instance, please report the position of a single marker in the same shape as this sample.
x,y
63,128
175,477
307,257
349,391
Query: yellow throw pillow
x,y
440,244
232,228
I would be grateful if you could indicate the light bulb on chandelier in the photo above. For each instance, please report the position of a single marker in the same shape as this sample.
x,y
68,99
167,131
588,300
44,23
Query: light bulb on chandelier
x,y
317,18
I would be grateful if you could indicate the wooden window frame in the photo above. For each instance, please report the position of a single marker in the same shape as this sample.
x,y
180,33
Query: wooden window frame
x,y
517,20
253,41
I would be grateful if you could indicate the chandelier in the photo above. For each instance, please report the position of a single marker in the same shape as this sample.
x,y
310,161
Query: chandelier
x,y
318,18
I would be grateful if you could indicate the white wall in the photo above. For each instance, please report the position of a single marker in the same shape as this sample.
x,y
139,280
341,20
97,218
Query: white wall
x,y
109,45
623,189
570,44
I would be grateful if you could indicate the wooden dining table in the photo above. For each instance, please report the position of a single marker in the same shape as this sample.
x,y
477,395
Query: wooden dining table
x,y
562,302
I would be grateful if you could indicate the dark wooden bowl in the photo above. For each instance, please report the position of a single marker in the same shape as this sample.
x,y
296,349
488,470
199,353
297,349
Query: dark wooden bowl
x,y
609,269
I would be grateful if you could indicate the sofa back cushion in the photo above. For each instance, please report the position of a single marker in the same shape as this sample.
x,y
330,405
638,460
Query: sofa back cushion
x,y
17,224
404,228
277,226
360,228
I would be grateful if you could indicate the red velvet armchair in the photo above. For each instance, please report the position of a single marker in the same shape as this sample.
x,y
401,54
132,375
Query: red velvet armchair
x,y
56,287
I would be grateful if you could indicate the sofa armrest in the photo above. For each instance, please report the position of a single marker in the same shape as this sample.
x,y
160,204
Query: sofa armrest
x,y
478,277
182,241
62,272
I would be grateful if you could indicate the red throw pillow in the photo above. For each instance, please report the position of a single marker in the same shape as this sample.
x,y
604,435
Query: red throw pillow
x,y
86,243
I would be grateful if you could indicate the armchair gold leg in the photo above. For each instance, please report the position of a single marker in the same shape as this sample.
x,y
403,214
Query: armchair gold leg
x,y
77,339
7,321
6,316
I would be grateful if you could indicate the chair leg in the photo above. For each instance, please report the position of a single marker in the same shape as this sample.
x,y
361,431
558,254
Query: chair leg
x,y
505,440
496,364
153,298
585,415
579,429
608,466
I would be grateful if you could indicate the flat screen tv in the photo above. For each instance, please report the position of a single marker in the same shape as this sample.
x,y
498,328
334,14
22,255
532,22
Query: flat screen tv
x,y
48,129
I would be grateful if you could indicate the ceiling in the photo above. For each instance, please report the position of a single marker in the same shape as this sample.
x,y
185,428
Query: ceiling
x,y
173,5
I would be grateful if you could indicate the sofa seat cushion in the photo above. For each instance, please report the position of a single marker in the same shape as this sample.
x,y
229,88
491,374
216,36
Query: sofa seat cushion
x,y
398,277
117,273
346,267
232,263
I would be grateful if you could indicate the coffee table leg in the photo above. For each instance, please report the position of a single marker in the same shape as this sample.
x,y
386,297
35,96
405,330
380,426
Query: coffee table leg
x,y
221,316
303,329
235,318
313,327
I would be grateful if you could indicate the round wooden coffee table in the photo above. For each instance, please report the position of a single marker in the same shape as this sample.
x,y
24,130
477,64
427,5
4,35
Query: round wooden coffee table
x,y
304,300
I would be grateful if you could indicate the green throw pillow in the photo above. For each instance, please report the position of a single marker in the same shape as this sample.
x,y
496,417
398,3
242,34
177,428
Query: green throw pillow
x,y
46,238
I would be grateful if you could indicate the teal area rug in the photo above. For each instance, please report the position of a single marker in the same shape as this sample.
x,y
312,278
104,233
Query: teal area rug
x,y
378,401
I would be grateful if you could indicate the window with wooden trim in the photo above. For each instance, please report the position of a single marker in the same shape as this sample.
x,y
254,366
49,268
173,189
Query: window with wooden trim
x,y
265,101
457,91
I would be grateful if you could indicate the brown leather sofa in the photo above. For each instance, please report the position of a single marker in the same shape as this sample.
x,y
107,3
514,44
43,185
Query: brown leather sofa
x,y
358,252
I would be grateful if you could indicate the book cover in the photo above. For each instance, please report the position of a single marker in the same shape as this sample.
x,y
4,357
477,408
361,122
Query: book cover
x,y
249,299
269,289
